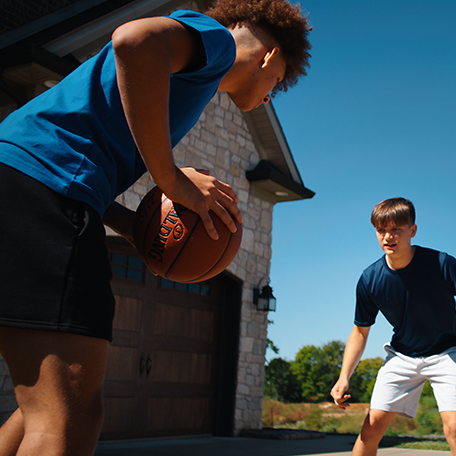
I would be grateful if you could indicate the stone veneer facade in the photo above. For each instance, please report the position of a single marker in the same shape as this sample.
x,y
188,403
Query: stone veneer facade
x,y
220,142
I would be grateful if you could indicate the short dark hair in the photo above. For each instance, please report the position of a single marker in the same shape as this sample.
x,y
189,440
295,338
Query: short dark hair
x,y
397,211
281,20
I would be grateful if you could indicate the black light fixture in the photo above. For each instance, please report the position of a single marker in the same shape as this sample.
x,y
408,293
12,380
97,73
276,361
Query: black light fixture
x,y
264,300
279,186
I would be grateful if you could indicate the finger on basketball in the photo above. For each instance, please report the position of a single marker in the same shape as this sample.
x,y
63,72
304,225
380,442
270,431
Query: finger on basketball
x,y
225,188
235,212
227,206
225,217
208,225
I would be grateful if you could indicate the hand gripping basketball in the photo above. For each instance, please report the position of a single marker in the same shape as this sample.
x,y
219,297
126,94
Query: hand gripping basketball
x,y
174,244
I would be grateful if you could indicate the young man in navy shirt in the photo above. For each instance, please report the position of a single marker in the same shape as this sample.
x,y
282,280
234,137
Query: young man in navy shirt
x,y
414,288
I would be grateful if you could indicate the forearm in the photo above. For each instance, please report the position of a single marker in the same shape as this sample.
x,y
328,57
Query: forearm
x,y
354,349
353,352
120,219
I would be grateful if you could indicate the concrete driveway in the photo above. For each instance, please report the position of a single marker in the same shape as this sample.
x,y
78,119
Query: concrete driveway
x,y
245,446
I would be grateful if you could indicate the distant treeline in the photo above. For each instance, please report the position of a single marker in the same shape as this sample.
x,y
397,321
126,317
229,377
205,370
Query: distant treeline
x,y
311,375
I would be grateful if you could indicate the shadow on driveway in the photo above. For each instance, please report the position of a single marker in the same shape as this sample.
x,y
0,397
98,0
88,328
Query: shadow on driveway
x,y
228,446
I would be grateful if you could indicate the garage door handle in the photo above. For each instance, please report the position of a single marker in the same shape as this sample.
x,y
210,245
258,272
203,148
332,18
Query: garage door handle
x,y
148,365
142,365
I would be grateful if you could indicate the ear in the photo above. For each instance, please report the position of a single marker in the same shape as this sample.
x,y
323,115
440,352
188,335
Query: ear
x,y
414,229
269,56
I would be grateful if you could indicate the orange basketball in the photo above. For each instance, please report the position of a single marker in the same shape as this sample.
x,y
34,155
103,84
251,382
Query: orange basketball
x,y
174,244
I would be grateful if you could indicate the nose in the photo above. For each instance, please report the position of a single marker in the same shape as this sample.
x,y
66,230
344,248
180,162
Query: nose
x,y
389,235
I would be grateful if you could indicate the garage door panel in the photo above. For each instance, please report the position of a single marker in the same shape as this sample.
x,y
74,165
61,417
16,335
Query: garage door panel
x,y
128,315
119,414
186,322
183,414
181,367
163,362
122,363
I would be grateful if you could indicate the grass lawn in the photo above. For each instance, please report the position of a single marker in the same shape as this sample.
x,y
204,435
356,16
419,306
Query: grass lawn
x,y
415,443
325,417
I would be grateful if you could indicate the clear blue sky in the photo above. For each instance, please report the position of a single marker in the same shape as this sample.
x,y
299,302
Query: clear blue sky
x,y
375,118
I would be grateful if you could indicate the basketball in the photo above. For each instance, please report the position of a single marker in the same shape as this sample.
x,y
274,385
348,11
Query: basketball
x,y
174,244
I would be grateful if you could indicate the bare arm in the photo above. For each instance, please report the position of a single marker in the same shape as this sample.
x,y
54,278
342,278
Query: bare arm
x,y
147,52
120,219
353,351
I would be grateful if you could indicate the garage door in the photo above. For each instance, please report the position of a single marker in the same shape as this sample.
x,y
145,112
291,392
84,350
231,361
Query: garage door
x,y
173,353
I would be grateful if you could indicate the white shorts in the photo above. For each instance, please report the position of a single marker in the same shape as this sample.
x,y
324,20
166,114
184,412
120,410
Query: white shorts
x,y
401,379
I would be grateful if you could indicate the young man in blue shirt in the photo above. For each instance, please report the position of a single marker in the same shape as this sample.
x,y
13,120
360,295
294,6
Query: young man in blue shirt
x,y
414,288
66,155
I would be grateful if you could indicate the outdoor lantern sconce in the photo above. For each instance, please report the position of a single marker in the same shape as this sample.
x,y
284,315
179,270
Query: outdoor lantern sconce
x,y
264,300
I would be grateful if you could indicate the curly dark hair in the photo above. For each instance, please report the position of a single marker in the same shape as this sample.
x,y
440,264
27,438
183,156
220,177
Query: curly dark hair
x,y
281,20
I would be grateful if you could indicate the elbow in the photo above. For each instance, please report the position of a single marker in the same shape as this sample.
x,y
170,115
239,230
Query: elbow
x,y
122,39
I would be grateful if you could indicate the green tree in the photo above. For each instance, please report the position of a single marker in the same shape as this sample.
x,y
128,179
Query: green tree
x,y
269,343
280,381
428,416
317,369
363,379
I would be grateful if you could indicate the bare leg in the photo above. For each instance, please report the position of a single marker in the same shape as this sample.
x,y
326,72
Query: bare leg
x,y
449,428
11,434
58,382
374,428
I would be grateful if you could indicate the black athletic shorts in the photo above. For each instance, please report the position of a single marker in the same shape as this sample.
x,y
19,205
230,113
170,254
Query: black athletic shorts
x,y
54,268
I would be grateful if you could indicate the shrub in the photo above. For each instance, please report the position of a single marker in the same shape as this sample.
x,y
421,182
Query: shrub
x,y
327,418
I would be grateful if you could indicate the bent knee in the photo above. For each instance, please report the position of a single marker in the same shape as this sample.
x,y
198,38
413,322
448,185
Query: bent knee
x,y
63,413
71,431
95,410
375,425
371,432
449,428
86,411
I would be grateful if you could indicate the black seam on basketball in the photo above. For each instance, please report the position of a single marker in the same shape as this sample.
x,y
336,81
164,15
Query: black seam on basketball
x,y
183,245
147,226
218,261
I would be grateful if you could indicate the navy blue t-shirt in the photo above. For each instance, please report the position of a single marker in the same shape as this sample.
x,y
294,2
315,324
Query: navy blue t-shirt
x,y
418,301
75,139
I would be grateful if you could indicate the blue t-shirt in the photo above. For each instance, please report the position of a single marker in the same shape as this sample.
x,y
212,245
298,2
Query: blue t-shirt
x,y
418,301
75,139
